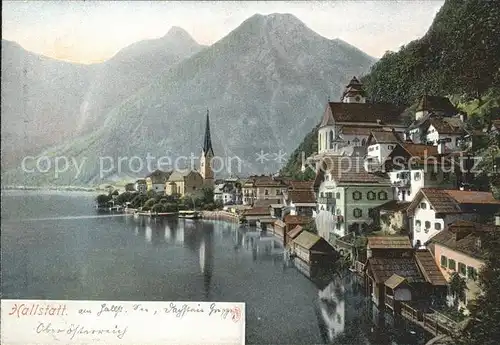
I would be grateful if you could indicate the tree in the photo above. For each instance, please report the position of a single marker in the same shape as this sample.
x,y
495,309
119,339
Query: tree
x,y
115,192
158,208
207,195
485,311
150,203
457,287
102,199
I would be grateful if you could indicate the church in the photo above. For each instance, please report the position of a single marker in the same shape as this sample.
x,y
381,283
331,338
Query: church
x,y
189,181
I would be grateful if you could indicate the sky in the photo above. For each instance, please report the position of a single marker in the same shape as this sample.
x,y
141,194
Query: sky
x,y
93,31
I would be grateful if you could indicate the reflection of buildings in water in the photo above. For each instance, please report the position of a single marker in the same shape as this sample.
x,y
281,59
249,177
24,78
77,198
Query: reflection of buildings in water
x,y
136,232
149,232
168,233
206,256
333,309
179,235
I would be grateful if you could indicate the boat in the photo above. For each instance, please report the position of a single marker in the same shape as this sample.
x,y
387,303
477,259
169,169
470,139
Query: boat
x,y
189,214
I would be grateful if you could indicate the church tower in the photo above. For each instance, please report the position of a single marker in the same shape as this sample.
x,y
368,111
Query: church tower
x,y
206,156
354,92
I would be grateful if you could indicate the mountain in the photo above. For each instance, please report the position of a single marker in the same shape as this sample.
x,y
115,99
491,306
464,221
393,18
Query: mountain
x,y
59,100
40,100
265,84
459,54
131,69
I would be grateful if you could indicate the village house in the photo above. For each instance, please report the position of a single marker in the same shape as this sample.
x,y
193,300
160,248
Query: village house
x,y
141,186
156,181
396,273
300,202
414,166
458,248
392,217
292,234
253,215
437,120
380,144
350,122
227,191
350,193
184,183
263,187
312,249
433,209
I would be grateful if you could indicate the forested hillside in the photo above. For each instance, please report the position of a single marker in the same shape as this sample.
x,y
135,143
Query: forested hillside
x,y
459,57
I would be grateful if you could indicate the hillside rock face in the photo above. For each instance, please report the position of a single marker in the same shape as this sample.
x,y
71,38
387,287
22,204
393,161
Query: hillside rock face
x,y
265,84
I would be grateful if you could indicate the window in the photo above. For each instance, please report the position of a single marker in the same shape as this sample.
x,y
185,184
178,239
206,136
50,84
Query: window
x,y
337,195
418,223
390,147
321,195
437,226
338,212
327,178
357,212
423,205
471,273
382,196
433,176
266,192
427,225
452,265
446,176
417,176
356,195
371,195
337,226
462,269
444,261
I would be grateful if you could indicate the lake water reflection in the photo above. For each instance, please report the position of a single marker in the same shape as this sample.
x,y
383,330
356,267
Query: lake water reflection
x,y
69,253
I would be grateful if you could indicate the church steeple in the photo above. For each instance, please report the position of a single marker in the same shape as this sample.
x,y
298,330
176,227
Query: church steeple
x,y
207,141
207,155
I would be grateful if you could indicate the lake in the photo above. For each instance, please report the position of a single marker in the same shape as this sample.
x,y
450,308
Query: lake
x,y
55,246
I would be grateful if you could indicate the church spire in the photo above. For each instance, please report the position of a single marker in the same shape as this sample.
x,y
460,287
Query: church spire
x,y
207,142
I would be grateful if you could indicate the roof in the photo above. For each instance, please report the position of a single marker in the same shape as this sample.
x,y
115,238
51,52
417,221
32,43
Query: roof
x,y
420,150
348,169
267,220
302,196
361,112
159,176
180,175
429,268
436,103
462,236
447,125
266,202
393,206
300,185
450,201
394,281
267,181
293,219
257,211
280,223
277,205
306,239
389,242
295,231
383,136
383,268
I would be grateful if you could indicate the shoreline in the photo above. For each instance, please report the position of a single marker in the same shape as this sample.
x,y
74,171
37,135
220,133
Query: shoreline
x,y
51,188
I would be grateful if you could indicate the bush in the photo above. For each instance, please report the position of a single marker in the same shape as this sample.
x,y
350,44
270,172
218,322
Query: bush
x,y
170,207
150,203
103,199
158,208
145,208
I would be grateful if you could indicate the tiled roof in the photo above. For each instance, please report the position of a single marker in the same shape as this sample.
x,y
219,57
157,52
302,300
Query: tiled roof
x,y
393,206
159,176
462,236
436,103
351,130
268,181
306,239
472,197
295,231
382,136
300,185
449,201
292,219
429,268
383,268
302,196
266,202
280,223
347,169
257,211
389,242
420,150
362,112
180,175
447,125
